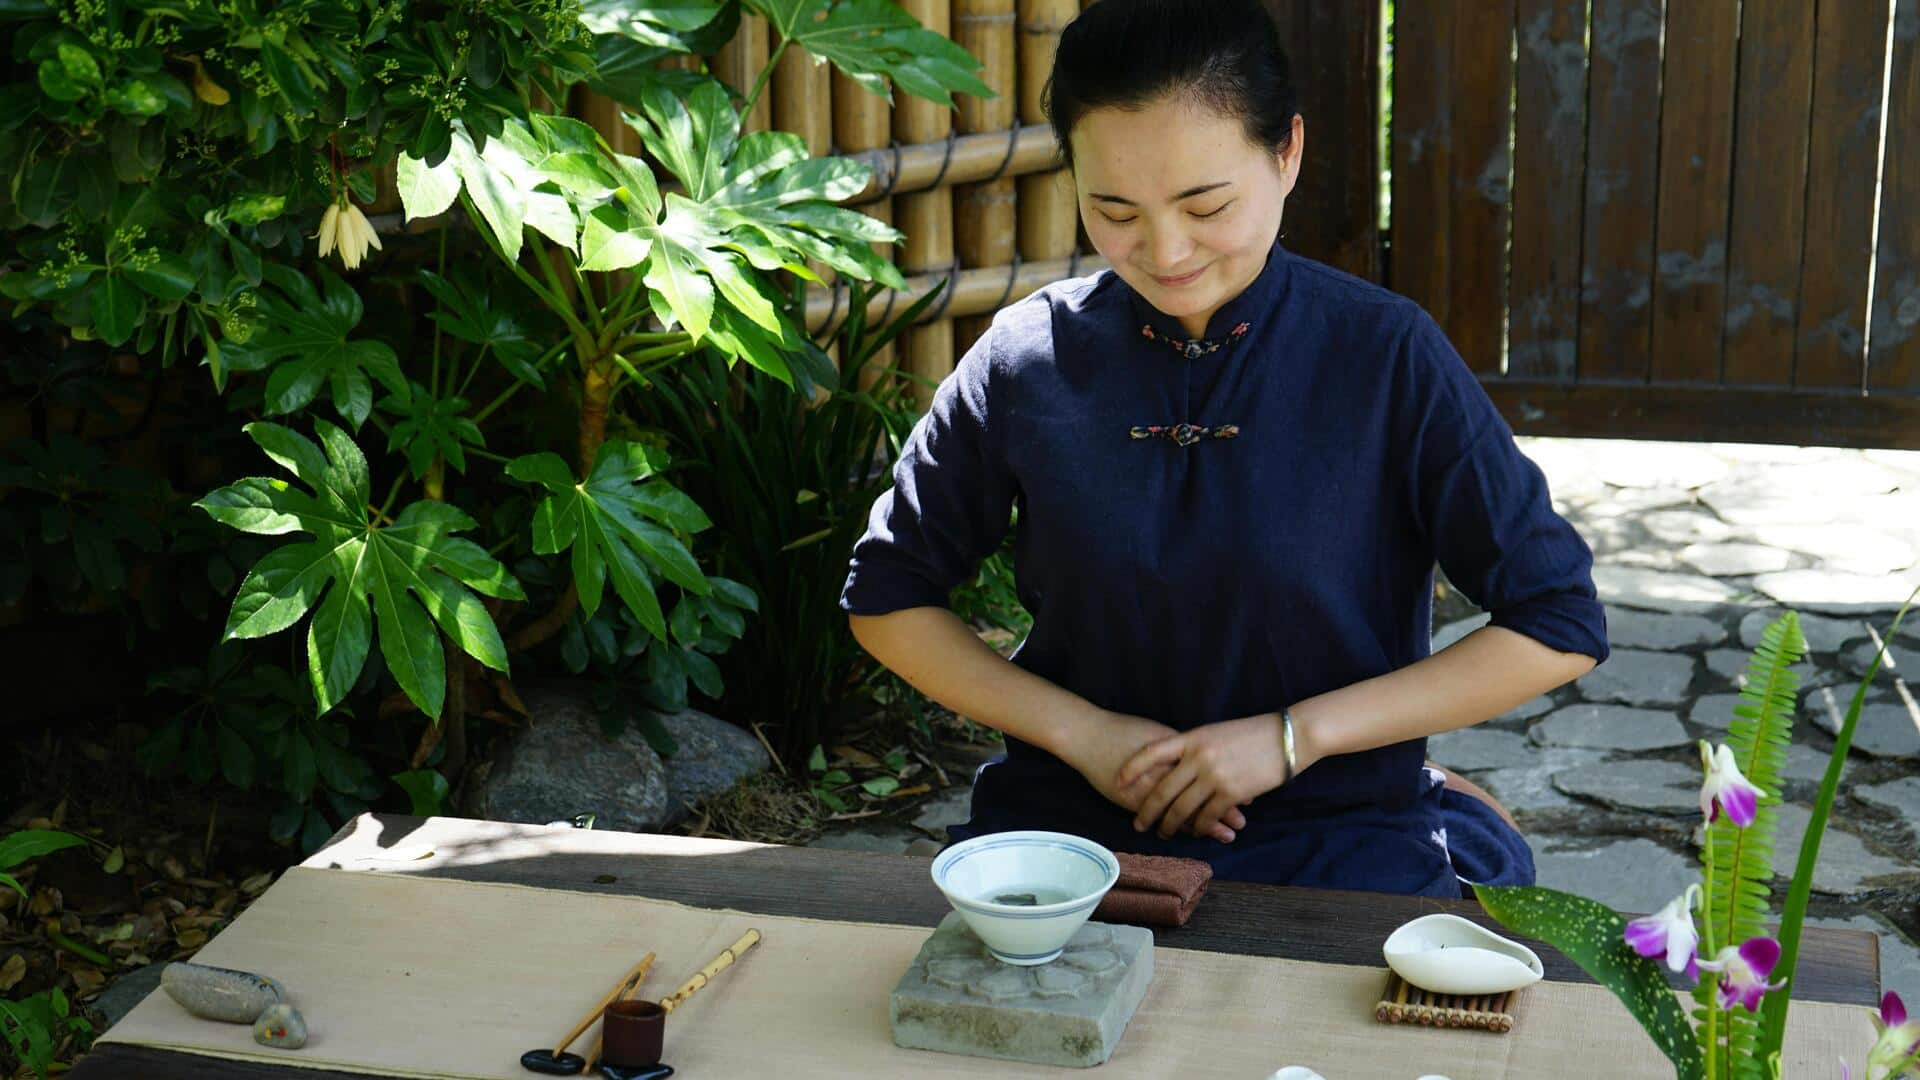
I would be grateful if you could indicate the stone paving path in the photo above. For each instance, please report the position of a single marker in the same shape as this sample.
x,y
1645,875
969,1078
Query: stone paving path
x,y
1697,548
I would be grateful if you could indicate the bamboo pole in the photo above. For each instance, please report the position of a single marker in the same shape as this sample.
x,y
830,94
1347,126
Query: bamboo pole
x,y
914,168
803,99
714,967
926,218
863,121
974,292
1047,205
738,64
984,219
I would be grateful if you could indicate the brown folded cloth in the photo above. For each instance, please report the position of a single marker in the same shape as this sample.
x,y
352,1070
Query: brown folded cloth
x,y
1155,890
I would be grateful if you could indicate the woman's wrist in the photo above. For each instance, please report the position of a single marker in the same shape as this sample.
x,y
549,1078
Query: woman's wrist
x,y
1309,736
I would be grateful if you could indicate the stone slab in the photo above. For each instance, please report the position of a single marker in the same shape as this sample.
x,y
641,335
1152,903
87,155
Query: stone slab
x,y
1886,728
1806,764
1735,560
1630,876
1655,590
1657,787
884,839
957,999
1901,658
1458,629
1610,727
1836,593
951,807
1823,634
1527,790
1630,629
1639,677
1713,710
1846,866
1729,665
1477,749
1898,797
1682,527
1847,549
1655,465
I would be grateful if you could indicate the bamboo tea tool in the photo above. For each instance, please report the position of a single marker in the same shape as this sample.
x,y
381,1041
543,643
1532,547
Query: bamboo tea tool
x,y
557,1062
634,1031
1403,1003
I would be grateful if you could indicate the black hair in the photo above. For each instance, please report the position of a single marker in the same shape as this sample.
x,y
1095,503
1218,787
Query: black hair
x,y
1128,53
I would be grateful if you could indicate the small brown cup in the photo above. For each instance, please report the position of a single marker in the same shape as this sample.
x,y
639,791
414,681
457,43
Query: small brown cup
x,y
631,1033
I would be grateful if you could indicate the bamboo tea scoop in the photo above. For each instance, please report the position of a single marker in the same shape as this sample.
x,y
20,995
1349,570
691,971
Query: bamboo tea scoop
x,y
634,1031
557,1062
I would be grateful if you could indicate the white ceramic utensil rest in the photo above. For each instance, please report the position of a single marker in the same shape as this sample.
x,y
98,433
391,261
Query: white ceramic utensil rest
x,y
1447,954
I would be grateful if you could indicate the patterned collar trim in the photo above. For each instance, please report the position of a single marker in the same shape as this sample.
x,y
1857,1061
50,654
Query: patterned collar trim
x,y
1195,348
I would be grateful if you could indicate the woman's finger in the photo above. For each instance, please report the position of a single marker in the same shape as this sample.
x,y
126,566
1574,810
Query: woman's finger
x,y
1177,817
1160,754
1213,816
1234,819
1162,796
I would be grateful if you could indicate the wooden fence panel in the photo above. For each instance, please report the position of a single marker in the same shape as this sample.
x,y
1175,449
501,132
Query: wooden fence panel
x,y
1334,212
1696,161
1623,109
1849,66
1549,167
1423,153
1766,233
1893,360
1481,120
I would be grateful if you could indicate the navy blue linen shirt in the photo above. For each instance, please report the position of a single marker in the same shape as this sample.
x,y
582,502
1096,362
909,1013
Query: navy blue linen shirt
x,y
1232,576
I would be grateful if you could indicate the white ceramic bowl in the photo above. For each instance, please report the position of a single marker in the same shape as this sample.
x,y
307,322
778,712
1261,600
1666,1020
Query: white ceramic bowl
x,y
1024,894
1450,955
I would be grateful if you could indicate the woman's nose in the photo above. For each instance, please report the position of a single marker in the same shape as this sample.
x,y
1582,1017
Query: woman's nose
x,y
1169,247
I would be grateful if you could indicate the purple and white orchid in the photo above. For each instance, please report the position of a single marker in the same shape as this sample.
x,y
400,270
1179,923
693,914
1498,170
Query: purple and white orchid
x,y
1725,788
1670,931
1899,1039
1743,972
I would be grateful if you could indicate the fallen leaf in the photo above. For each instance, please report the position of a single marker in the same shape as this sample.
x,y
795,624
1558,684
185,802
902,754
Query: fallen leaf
x,y
116,861
851,755
192,939
87,980
12,971
917,789
257,884
46,901
172,867
137,959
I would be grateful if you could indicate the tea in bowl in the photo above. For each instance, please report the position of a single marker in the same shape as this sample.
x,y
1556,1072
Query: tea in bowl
x,y
1024,894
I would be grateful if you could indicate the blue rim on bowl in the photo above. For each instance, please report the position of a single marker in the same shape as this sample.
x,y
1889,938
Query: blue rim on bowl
x,y
1067,842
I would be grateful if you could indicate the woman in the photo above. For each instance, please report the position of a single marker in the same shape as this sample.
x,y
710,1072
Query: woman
x,y
1234,469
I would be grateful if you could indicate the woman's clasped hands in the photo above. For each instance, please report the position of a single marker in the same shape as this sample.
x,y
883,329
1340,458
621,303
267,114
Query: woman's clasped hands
x,y
1196,781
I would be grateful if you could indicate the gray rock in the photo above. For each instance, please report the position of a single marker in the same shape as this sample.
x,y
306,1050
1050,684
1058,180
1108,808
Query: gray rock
x,y
1805,764
119,998
563,764
1657,591
953,806
1735,560
1528,791
1901,658
1630,876
1729,664
1846,864
1659,465
1524,712
1823,635
281,1026
1458,629
1847,549
1475,749
1899,797
1632,502
883,839
1834,477
957,999
1899,959
215,993
1638,677
1835,593
1659,787
1629,629
713,756
1610,727
1713,710
1683,527
1886,728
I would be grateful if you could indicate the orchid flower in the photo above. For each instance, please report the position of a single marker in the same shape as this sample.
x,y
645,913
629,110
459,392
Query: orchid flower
x,y
1725,788
1743,972
1899,1039
345,227
1669,930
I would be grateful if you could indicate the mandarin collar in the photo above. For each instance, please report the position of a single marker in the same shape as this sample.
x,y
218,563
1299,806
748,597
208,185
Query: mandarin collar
x,y
1234,319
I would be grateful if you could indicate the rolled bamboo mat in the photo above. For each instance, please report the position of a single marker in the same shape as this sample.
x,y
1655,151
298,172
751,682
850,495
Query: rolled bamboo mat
x,y
926,217
1047,207
738,64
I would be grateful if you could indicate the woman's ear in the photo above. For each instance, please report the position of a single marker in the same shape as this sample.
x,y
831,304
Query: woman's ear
x,y
1291,156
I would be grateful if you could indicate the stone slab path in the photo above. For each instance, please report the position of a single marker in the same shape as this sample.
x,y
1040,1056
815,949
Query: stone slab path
x,y
1698,547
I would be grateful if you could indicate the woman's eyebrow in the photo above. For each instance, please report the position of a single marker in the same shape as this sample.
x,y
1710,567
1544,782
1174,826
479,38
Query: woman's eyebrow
x,y
1187,194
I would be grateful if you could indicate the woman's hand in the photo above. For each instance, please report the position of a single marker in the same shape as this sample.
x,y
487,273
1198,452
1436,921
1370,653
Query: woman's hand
x,y
1198,779
1098,747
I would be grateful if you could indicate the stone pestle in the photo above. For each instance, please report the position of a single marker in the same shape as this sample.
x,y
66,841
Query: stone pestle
x,y
215,993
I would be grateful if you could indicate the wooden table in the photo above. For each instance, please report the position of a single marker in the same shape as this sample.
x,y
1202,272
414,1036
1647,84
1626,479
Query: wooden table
x,y
1310,924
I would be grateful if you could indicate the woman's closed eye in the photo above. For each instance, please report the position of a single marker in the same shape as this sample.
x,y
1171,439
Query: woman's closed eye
x,y
1216,212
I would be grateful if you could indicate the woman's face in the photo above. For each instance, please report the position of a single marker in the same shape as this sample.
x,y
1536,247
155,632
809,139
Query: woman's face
x,y
1182,205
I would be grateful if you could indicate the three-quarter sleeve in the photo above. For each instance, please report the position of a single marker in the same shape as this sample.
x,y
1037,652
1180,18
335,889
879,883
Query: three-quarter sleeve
x,y
950,504
1484,507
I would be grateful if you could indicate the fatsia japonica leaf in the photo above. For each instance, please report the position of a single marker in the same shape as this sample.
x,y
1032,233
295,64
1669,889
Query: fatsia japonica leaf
x,y
404,578
507,191
662,24
621,523
430,426
306,339
872,41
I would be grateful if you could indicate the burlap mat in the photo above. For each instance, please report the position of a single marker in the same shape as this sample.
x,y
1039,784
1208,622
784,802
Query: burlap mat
x,y
432,977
